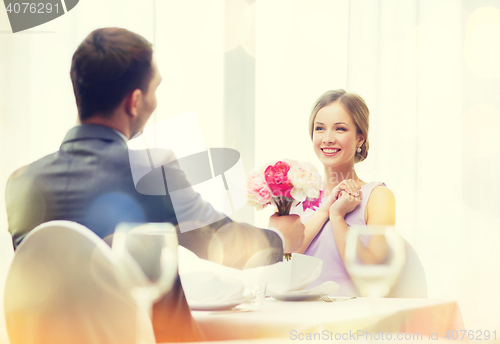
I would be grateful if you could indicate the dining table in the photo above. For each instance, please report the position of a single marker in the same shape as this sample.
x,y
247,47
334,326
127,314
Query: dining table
x,y
368,319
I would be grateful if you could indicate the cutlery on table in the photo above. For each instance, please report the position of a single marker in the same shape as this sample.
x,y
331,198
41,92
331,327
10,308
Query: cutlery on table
x,y
334,299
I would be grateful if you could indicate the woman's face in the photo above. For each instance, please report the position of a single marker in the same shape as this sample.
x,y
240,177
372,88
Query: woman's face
x,y
335,137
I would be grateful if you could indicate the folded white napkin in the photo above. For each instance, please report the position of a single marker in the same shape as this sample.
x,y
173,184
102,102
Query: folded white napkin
x,y
205,282
295,274
206,287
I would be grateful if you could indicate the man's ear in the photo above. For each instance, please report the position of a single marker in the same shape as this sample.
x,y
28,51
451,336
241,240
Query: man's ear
x,y
133,102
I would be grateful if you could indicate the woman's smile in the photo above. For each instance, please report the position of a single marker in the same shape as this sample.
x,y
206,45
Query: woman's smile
x,y
328,151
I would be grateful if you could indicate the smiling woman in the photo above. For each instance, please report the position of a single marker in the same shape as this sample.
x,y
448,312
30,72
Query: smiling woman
x,y
338,127
347,115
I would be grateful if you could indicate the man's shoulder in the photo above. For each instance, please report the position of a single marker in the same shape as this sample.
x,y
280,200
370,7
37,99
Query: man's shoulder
x,y
30,169
19,172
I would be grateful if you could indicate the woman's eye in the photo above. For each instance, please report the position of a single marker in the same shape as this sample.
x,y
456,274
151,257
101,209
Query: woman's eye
x,y
318,128
341,129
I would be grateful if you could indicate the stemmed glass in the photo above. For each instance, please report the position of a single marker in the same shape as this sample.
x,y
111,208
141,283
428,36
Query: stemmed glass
x,y
147,263
374,257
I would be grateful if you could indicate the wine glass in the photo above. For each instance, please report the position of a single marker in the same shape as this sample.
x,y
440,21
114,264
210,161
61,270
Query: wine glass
x,y
147,263
374,257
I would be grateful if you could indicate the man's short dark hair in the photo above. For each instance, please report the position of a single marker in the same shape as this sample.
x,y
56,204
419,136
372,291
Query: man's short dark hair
x,y
109,64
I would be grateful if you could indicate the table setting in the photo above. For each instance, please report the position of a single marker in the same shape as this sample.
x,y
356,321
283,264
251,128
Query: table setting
x,y
211,286
278,319
282,300
279,300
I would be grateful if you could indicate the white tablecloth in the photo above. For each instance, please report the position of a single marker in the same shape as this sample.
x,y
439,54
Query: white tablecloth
x,y
277,319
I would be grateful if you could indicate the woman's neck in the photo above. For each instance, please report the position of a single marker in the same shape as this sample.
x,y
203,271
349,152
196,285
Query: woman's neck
x,y
333,176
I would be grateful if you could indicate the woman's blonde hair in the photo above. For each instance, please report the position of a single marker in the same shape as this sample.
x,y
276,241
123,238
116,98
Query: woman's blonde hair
x,y
355,106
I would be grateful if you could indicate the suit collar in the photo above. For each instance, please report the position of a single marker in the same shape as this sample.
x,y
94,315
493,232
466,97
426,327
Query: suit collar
x,y
93,131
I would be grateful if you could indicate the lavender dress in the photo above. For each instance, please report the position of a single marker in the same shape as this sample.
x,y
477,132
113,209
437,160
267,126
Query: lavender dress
x,y
324,247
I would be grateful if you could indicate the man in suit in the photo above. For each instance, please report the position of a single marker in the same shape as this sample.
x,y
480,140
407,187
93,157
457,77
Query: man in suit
x,y
89,180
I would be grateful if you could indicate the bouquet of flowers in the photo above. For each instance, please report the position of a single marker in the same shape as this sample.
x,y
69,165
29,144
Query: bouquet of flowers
x,y
284,184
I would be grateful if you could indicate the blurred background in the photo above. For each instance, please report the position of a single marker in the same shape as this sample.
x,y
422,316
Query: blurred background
x,y
428,69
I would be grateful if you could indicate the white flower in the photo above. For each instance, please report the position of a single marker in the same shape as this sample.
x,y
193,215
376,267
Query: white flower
x,y
305,179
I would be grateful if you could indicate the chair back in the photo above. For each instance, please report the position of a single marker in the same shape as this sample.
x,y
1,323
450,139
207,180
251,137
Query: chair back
x,y
62,288
6,256
412,282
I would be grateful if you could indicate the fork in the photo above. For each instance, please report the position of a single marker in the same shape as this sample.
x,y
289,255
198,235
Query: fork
x,y
326,298
334,299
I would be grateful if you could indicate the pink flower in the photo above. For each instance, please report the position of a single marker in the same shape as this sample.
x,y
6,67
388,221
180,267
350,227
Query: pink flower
x,y
277,179
259,194
313,203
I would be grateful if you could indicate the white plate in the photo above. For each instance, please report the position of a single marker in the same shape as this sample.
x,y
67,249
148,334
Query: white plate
x,y
295,297
221,306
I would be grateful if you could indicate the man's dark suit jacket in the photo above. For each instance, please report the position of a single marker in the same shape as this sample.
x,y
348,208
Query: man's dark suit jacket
x,y
89,181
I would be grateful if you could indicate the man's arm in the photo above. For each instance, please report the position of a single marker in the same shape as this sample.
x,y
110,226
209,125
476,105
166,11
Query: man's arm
x,y
234,244
216,236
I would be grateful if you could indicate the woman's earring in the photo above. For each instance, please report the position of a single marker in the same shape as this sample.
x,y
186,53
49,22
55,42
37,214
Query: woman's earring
x,y
358,150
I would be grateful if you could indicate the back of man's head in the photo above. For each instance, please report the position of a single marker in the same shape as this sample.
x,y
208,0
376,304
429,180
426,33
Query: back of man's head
x,y
108,65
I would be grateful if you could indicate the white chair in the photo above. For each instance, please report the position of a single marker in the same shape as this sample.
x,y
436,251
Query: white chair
x,y
412,282
6,255
62,288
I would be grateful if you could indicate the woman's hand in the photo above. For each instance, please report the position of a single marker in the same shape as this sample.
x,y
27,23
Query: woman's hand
x,y
349,186
336,203
344,204
325,207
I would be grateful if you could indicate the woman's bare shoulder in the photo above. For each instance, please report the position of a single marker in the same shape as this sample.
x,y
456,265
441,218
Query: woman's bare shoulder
x,y
381,193
381,207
